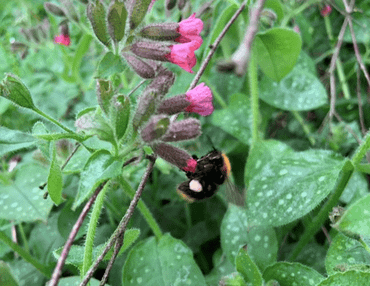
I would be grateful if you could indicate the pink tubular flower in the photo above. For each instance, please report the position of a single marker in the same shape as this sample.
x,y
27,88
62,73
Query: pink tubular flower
x,y
326,11
188,29
200,99
183,55
62,40
191,164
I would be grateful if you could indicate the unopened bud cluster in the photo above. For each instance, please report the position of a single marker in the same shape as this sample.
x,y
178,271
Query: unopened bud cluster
x,y
152,118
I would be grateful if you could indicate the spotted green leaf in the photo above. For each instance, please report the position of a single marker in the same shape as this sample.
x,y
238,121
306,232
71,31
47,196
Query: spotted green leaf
x,y
352,277
344,254
300,90
356,188
101,166
277,51
164,261
284,185
236,118
247,268
12,140
76,280
6,276
288,274
23,200
44,238
26,273
357,218
237,232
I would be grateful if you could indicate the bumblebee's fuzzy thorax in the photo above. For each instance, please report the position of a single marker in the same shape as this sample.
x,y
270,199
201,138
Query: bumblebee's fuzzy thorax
x,y
211,171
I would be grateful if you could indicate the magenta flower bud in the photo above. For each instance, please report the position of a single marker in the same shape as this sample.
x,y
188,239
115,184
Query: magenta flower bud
x,y
151,50
173,105
176,156
200,99
54,9
326,11
145,108
197,100
189,28
170,4
156,128
163,81
69,9
141,67
161,32
183,130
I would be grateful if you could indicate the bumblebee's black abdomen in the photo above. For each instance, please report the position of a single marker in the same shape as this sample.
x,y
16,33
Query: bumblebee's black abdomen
x,y
211,171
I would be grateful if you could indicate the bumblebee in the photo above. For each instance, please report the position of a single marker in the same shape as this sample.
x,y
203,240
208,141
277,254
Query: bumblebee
x,y
211,171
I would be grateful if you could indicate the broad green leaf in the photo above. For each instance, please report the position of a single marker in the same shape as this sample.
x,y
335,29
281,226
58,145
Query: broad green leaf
x,y
44,238
356,189
77,162
299,90
288,274
117,15
12,140
234,84
277,51
67,219
222,20
357,218
76,254
236,118
223,266
237,232
361,26
166,261
43,145
313,254
25,273
284,185
23,200
346,254
247,268
55,180
100,167
110,64
76,280
352,277
96,14
6,276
